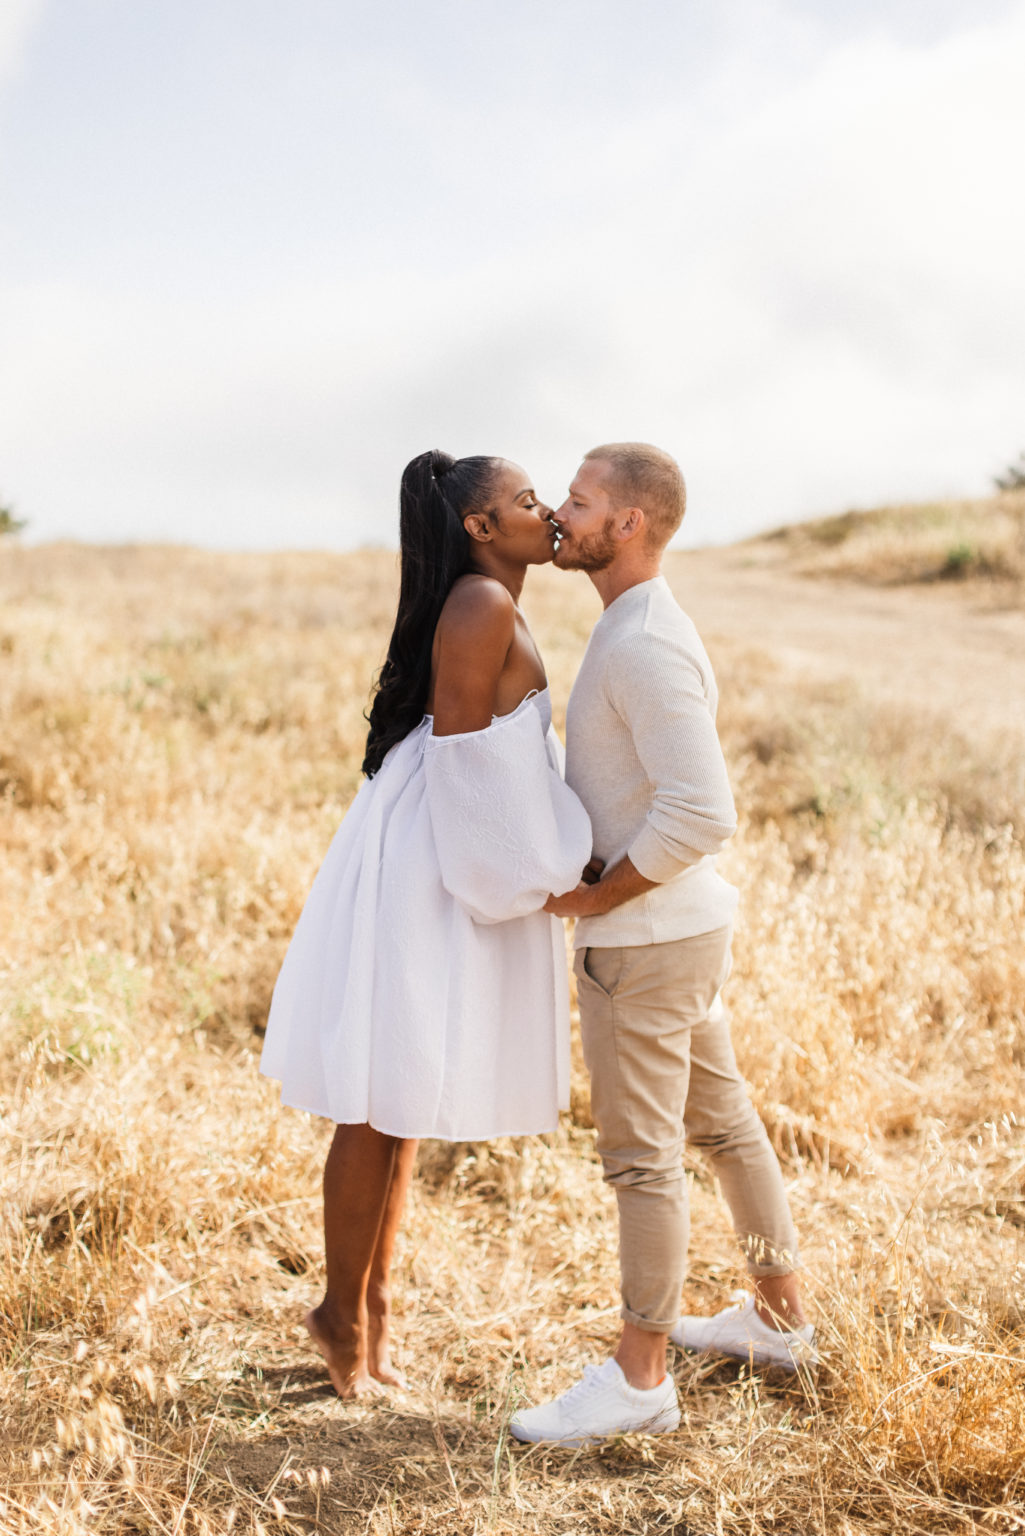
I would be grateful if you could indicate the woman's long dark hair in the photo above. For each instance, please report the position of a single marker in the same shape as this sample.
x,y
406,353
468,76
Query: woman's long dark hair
x,y
437,493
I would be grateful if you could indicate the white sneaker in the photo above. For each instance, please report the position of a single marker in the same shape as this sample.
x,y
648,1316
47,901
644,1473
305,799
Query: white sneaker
x,y
740,1332
600,1404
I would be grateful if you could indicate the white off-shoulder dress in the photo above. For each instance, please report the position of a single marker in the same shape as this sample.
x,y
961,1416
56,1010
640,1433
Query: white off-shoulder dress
x,y
424,990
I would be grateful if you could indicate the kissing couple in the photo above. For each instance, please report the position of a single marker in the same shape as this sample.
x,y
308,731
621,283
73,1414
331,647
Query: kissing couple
x,y
425,991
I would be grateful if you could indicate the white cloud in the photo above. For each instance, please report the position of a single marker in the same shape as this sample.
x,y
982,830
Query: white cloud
x,y
18,18
803,279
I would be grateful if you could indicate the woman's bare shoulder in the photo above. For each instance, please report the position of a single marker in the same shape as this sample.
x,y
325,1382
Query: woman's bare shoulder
x,y
477,605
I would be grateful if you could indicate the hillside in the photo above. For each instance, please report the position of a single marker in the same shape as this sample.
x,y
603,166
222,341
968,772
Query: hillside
x,y
981,541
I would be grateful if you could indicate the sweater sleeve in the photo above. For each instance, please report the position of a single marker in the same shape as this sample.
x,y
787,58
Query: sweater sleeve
x,y
657,688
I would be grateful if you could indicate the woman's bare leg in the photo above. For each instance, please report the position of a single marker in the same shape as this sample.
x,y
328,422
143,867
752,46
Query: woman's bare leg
x,y
778,1301
357,1184
379,1282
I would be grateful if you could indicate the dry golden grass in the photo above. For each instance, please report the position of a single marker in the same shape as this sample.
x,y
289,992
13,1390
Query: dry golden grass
x,y
948,540
181,733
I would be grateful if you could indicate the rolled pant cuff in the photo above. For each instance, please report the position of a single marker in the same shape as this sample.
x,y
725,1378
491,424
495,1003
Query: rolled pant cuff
x,y
645,1323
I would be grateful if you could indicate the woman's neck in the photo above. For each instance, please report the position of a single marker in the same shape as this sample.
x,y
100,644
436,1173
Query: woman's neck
x,y
512,577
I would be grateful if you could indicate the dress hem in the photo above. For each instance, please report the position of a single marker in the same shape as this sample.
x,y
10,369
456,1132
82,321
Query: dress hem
x,y
481,1135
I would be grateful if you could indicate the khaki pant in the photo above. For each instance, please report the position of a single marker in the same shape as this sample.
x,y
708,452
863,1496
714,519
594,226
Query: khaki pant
x,y
657,1046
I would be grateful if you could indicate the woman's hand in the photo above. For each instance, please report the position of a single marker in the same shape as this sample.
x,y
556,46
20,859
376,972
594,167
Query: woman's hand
x,y
592,871
575,903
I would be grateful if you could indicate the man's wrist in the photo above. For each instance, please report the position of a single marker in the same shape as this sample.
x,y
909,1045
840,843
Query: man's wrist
x,y
603,899
619,884
605,894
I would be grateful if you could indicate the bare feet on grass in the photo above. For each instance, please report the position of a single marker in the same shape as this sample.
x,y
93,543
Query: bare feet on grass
x,y
344,1354
379,1340
366,1178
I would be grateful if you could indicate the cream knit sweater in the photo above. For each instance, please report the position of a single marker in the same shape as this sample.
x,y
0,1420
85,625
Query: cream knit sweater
x,y
643,755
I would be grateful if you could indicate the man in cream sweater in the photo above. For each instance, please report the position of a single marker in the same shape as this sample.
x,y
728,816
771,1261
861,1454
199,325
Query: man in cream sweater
x,y
652,952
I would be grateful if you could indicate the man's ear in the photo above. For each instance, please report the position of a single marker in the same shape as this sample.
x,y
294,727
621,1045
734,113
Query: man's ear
x,y
629,522
477,527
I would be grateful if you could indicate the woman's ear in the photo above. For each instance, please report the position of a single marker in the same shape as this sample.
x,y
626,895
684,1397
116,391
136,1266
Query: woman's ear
x,y
476,525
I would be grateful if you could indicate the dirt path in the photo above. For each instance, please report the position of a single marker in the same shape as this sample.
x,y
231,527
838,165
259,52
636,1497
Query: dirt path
x,y
939,648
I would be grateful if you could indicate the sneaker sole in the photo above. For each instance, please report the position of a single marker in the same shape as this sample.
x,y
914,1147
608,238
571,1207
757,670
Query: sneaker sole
x,y
658,1426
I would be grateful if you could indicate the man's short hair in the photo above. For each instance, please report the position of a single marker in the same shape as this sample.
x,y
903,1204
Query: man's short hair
x,y
639,475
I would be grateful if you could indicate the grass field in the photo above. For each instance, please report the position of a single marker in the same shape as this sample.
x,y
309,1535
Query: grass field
x,y
941,541
180,734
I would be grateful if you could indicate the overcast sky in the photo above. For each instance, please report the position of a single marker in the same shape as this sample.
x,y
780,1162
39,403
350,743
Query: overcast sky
x,y
256,254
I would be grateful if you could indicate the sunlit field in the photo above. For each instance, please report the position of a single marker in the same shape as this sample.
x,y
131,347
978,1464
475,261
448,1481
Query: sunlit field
x,y
180,734
939,541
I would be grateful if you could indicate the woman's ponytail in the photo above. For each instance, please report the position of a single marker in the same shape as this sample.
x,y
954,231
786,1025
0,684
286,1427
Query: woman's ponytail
x,y
436,494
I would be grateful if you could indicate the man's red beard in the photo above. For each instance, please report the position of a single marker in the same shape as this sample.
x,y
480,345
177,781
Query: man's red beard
x,y
595,552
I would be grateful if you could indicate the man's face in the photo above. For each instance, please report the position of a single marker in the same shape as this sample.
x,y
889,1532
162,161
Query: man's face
x,y
585,522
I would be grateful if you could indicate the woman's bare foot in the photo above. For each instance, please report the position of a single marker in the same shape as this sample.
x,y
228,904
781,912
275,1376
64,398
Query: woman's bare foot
x,y
379,1340
778,1301
345,1356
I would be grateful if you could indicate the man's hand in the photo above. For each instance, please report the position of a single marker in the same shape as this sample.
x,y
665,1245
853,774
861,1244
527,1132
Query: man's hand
x,y
620,883
576,903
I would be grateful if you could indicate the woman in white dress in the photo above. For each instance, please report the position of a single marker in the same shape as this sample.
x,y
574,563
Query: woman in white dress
x,y
425,991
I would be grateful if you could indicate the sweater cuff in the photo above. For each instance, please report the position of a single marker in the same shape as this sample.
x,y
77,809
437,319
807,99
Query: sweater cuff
x,y
650,857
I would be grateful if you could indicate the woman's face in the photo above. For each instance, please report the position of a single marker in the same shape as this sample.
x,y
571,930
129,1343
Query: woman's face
x,y
520,527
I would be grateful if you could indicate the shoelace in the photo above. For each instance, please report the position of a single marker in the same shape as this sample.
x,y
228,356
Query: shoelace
x,y
739,1305
584,1387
